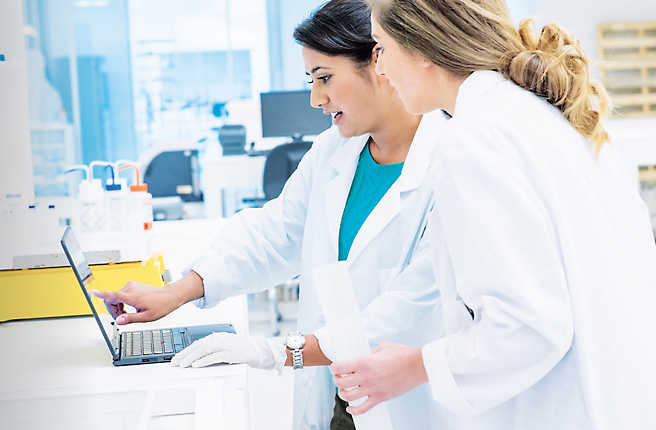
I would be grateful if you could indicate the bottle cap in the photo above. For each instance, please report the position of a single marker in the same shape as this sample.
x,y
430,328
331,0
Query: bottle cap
x,y
142,187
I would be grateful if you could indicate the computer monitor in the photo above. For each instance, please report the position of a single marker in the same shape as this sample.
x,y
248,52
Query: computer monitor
x,y
289,113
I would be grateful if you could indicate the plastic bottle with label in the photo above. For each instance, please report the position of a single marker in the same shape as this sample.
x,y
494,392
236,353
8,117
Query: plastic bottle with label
x,y
90,211
116,218
140,203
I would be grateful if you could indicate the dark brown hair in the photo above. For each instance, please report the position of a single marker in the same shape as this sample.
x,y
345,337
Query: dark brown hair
x,y
339,28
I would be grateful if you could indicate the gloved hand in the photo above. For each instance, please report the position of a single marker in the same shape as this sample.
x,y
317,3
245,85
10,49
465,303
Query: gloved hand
x,y
257,352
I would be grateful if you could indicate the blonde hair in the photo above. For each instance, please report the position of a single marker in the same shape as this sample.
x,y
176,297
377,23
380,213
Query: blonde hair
x,y
462,36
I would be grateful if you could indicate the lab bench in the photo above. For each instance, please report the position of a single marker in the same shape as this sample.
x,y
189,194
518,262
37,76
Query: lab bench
x,y
58,373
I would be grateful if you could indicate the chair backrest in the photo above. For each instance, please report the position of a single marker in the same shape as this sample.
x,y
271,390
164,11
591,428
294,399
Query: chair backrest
x,y
174,173
281,162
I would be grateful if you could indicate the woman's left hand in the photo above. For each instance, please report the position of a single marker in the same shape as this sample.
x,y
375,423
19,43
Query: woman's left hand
x,y
391,370
231,348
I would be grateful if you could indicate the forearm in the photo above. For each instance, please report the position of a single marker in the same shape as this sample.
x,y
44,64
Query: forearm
x,y
188,288
312,354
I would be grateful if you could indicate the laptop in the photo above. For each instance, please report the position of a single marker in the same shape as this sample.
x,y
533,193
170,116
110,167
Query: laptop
x,y
137,347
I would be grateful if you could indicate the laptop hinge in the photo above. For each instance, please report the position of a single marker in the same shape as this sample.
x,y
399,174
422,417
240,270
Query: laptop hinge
x,y
116,340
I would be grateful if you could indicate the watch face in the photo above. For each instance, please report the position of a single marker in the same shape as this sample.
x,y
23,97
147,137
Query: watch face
x,y
295,341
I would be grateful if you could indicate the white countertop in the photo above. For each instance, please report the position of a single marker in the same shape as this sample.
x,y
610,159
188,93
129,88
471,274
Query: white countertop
x,y
58,372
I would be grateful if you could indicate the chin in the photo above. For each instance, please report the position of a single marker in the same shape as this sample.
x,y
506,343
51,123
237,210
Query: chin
x,y
345,133
412,108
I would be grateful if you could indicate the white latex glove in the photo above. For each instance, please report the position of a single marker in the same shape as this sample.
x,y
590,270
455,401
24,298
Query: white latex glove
x,y
257,352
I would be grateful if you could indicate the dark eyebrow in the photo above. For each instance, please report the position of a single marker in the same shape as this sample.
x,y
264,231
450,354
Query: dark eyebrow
x,y
314,70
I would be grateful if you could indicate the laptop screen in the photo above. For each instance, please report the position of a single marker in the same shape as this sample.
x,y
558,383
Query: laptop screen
x,y
85,279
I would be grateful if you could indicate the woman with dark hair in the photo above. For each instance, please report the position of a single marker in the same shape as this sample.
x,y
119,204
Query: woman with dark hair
x,y
542,248
361,195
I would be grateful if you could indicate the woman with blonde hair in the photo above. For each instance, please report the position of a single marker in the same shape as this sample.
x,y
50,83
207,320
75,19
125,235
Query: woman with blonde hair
x,y
542,249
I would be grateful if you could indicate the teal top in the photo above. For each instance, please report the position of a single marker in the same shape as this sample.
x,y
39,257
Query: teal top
x,y
370,183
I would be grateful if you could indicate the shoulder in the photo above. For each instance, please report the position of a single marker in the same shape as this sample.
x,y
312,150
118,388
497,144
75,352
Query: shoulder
x,y
508,120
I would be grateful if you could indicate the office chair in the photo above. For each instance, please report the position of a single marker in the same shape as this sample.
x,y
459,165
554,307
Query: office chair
x,y
280,163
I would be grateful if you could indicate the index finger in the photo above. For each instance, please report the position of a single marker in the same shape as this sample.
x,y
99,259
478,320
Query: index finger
x,y
344,367
113,297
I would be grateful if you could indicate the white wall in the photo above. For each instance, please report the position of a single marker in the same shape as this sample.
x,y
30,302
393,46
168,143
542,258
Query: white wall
x,y
521,9
291,13
581,17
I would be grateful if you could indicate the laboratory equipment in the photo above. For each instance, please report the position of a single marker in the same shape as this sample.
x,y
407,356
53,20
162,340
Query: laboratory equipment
x,y
140,203
233,139
90,210
174,173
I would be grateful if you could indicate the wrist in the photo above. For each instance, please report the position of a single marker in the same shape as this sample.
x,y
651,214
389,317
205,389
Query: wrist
x,y
295,343
186,289
417,366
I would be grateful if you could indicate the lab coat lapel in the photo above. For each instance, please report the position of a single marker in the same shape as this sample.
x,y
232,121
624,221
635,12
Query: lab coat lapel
x,y
414,169
344,161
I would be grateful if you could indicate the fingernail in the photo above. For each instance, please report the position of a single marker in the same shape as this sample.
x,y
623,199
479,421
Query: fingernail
x,y
120,320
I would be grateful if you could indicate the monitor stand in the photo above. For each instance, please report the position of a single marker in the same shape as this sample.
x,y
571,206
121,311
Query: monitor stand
x,y
297,138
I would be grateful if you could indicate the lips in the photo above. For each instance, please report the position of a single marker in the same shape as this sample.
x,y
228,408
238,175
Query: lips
x,y
336,116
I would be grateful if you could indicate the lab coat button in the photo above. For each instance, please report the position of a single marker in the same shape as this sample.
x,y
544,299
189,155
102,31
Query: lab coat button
x,y
304,379
321,318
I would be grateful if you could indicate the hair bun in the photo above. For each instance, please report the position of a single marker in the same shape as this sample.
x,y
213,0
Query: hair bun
x,y
553,66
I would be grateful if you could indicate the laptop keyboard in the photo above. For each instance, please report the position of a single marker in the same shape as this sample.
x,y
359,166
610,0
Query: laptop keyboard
x,y
140,343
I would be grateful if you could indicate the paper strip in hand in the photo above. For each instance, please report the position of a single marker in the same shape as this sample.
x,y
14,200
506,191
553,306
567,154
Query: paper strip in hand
x,y
346,329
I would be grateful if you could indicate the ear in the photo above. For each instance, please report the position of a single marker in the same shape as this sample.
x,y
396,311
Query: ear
x,y
425,62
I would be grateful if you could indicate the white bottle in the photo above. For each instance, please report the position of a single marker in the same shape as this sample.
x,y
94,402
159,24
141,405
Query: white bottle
x,y
91,206
140,201
90,213
141,208
117,217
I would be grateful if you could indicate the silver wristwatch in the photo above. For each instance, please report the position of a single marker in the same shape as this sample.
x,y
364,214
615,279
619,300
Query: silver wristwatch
x,y
295,342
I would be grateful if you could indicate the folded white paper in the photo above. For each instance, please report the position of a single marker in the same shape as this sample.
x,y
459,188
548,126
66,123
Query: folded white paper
x,y
346,330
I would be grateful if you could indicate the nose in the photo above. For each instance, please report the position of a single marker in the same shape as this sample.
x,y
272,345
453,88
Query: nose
x,y
380,68
318,96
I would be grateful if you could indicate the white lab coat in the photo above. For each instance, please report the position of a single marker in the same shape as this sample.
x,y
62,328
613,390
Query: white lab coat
x,y
553,252
298,232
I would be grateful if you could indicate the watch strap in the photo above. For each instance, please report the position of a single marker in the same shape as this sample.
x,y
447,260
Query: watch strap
x,y
297,358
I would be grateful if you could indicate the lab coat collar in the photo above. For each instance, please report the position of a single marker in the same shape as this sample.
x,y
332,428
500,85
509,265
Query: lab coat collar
x,y
414,169
421,151
476,84
344,161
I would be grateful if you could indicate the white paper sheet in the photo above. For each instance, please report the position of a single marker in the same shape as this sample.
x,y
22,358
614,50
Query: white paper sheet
x,y
342,314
